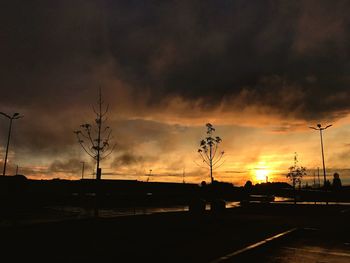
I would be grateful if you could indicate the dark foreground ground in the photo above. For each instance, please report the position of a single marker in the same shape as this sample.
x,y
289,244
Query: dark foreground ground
x,y
183,237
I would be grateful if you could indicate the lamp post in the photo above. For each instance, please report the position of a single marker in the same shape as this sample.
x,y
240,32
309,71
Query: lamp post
x,y
320,128
15,116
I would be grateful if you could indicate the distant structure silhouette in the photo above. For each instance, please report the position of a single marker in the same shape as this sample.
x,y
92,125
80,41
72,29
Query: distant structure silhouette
x,y
82,170
94,139
208,150
15,116
149,175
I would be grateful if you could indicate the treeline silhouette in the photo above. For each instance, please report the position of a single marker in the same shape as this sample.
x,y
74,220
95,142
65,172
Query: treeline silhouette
x,y
18,191
332,193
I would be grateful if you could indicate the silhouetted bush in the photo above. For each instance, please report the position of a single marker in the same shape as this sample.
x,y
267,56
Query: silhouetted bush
x,y
336,182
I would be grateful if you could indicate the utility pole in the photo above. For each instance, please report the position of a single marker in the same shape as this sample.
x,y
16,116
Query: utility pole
x,y
149,175
82,170
15,116
320,128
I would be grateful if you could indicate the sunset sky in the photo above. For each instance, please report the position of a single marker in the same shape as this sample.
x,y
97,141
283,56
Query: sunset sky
x,y
260,71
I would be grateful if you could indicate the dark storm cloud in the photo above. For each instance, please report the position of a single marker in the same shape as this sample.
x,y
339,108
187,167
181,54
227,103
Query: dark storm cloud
x,y
42,133
68,166
289,56
128,159
132,160
215,49
132,134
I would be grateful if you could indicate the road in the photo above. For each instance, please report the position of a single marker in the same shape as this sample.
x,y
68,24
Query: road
x,y
187,237
306,246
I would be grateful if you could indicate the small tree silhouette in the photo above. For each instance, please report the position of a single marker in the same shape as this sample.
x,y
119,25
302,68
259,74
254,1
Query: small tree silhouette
x,y
336,182
295,174
208,150
94,139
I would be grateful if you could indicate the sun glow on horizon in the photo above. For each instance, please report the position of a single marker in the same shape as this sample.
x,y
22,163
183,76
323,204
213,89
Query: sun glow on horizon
x,y
261,174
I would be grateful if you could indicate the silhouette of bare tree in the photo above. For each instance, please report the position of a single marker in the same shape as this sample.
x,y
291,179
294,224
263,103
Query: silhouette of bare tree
x,y
295,174
208,150
94,139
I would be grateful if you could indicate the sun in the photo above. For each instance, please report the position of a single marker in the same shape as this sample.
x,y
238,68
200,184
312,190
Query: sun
x,y
261,174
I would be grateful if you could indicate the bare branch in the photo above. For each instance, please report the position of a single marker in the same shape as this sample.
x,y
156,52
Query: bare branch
x,y
93,108
215,149
218,166
202,166
106,110
90,138
86,137
111,151
204,159
82,145
222,154
206,154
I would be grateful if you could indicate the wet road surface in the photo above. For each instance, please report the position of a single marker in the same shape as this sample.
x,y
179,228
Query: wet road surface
x,y
306,246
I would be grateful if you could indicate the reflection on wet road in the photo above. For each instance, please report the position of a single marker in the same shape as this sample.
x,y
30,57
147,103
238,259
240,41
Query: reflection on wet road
x,y
305,247
311,254
106,213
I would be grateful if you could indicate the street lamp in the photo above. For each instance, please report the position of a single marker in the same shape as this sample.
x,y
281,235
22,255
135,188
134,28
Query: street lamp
x,y
320,128
15,116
